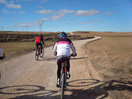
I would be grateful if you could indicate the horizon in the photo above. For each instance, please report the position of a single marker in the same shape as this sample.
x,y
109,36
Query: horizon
x,y
68,32
68,16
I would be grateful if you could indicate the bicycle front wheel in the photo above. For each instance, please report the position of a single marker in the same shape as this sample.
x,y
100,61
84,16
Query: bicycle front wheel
x,y
62,85
36,55
42,54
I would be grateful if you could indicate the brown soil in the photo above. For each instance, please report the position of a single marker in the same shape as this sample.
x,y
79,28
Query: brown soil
x,y
26,78
111,58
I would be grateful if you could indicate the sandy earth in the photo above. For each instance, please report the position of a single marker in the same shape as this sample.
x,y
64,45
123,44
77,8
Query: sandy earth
x,y
26,78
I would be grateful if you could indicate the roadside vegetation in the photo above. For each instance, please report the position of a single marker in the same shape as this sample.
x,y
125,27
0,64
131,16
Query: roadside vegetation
x,y
19,43
13,49
112,52
111,57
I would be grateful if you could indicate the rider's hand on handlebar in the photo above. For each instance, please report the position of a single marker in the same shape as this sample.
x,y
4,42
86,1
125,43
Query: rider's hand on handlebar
x,y
74,54
55,53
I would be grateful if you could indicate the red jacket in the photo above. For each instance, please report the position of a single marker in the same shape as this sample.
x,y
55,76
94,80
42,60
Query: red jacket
x,y
38,39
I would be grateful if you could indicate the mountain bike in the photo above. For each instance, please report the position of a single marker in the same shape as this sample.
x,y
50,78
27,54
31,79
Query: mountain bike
x,y
38,53
63,78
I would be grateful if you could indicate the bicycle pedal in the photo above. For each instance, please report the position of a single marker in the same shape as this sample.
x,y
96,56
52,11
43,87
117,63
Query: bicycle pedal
x,y
58,86
68,76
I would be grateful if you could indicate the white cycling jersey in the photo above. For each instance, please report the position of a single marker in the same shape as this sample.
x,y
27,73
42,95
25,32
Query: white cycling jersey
x,y
63,46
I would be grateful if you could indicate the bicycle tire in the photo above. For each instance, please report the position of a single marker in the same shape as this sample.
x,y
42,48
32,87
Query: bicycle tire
x,y
65,84
42,54
62,85
36,55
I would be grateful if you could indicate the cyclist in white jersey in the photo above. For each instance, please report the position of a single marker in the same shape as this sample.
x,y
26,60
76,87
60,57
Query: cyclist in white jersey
x,y
62,51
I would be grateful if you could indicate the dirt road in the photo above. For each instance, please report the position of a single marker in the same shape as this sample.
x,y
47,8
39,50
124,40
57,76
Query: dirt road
x,y
26,78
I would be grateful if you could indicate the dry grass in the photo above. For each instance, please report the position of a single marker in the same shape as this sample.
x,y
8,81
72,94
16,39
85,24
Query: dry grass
x,y
104,34
112,59
112,54
13,49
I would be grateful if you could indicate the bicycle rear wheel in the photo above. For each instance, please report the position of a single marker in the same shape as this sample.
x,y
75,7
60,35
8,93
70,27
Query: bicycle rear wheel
x,y
62,85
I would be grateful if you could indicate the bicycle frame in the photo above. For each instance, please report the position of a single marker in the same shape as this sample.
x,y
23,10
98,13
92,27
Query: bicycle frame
x,y
63,76
38,52
39,49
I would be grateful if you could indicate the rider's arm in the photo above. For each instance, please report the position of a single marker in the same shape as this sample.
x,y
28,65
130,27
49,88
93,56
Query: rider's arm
x,y
55,49
73,49
42,39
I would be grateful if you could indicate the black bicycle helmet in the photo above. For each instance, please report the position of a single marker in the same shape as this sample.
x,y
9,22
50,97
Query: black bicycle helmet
x,y
63,34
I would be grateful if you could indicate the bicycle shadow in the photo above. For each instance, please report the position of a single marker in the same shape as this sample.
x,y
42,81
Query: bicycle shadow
x,y
28,92
96,89
84,89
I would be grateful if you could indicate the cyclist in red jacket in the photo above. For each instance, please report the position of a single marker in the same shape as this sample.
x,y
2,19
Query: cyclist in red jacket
x,y
39,41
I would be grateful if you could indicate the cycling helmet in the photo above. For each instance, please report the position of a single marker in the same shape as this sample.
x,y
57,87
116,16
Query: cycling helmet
x,y
63,34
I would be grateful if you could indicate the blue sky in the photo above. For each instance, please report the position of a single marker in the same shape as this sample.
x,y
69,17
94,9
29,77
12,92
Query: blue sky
x,y
66,15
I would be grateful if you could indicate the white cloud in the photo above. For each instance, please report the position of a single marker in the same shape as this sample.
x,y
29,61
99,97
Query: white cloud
x,y
23,0
13,6
65,11
3,1
56,15
44,11
108,13
61,13
31,23
27,24
11,1
45,19
90,22
43,1
86,12
10,4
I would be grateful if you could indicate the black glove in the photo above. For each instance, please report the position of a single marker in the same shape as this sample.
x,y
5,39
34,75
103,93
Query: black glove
x,y
74,54
55,53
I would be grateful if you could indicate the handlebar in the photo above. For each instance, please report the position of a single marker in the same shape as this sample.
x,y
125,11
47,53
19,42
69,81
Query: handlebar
x,y
73,55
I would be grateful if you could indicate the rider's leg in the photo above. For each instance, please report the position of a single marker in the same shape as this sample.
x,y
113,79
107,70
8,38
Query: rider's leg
x,y
58,72
68,69
37,45
68,65
41,47
59,69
